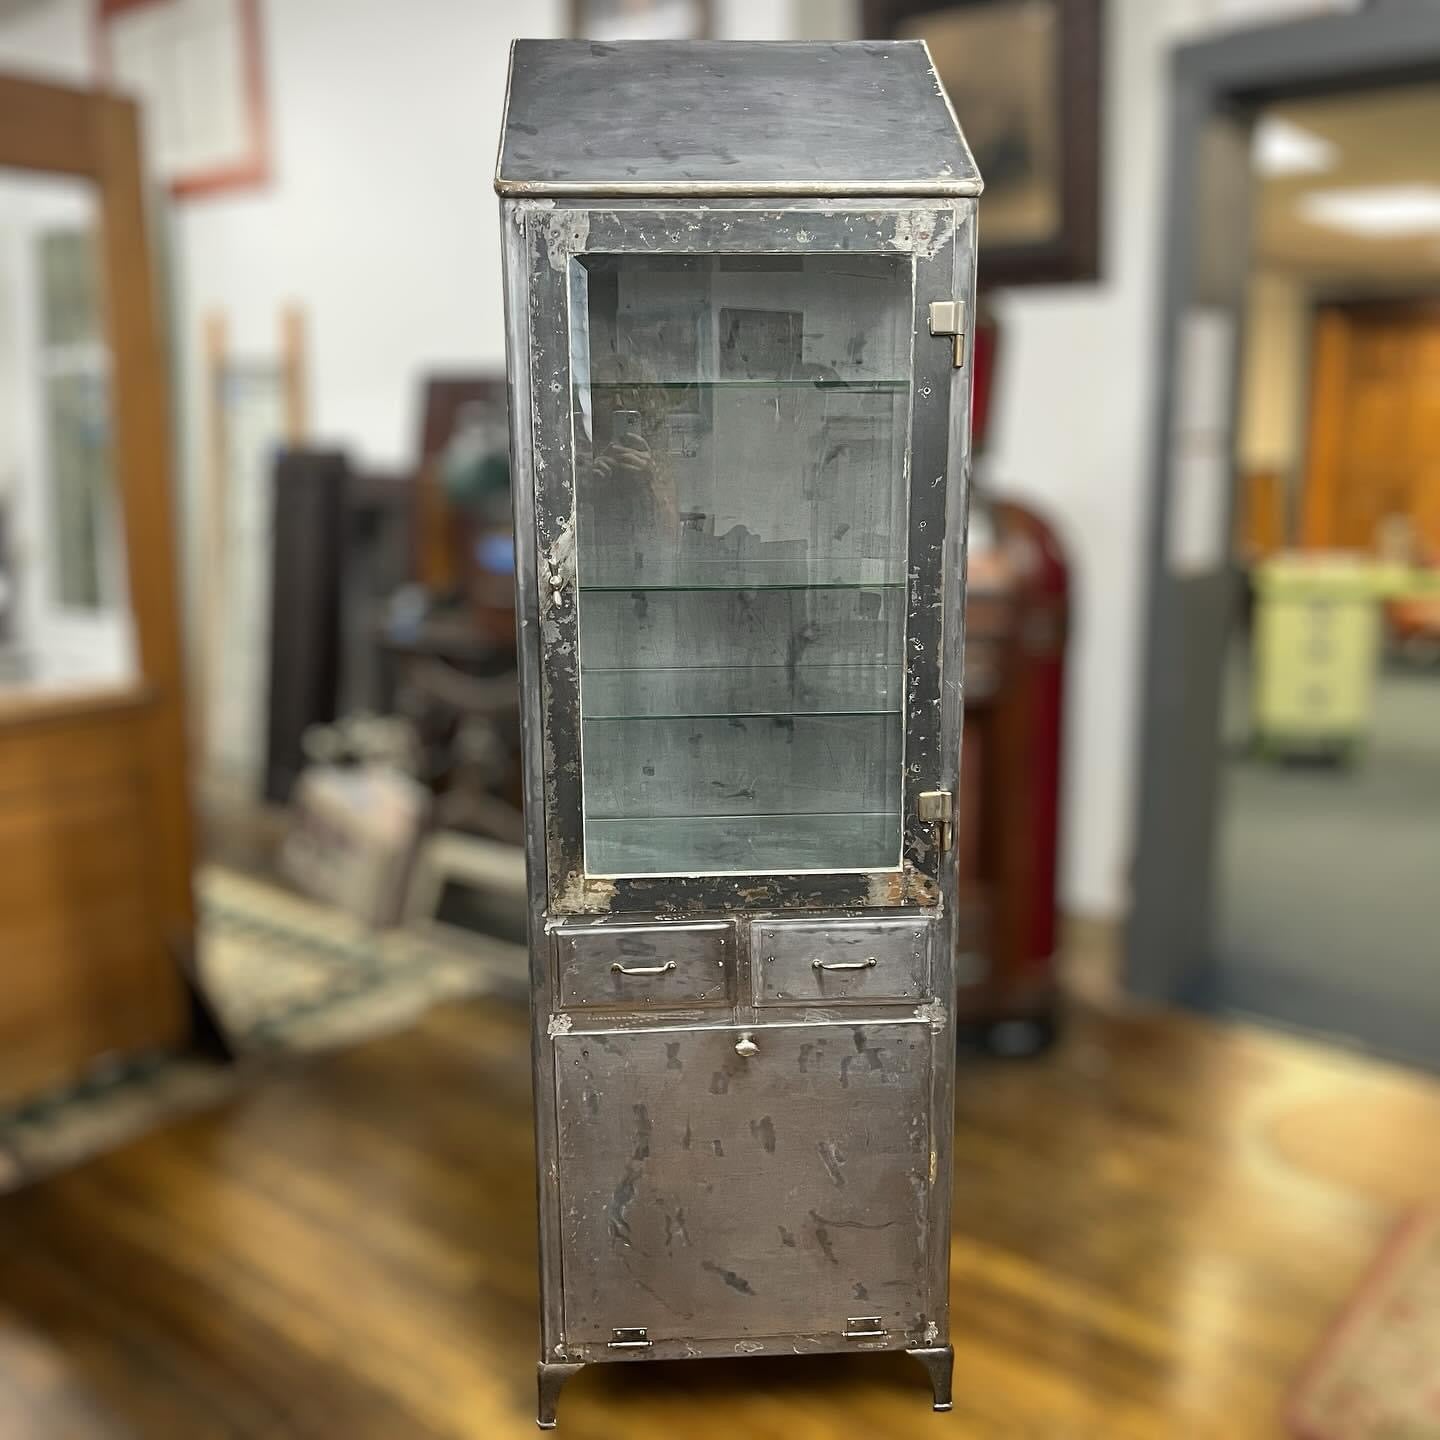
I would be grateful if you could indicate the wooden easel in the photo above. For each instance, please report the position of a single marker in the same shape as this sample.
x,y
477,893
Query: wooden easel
x,y
216,497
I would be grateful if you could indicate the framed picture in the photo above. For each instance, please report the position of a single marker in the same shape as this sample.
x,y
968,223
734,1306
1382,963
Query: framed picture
x,y
197,66
1024,77
642,19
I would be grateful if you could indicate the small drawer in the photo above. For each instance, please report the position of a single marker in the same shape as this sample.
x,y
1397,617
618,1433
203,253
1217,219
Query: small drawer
x,y
807,960
645,965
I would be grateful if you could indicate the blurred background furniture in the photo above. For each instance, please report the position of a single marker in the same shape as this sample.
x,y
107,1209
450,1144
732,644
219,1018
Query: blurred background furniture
x,y
305,624
1016,620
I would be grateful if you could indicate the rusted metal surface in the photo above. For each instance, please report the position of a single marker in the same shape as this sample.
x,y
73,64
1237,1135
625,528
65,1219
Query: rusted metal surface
x,y
928,233
804,961
645,965
706,1195
728,118
750,1200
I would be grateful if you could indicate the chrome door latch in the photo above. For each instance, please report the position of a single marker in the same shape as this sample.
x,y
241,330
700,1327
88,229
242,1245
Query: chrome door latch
x,y
936,807
947,317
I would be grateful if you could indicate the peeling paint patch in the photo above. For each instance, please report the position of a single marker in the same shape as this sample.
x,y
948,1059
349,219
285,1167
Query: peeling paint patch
x,y
642,1133
577,894
822,1239
618,1210
932,1012
734,1281
559,1025
851,1224
566,233
922,232
748,1347
932,1332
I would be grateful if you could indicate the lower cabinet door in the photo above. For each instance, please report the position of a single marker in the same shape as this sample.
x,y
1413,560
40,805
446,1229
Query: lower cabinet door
x,y
708,1195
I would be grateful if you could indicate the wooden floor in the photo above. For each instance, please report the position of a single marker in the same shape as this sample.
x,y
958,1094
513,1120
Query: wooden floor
x,y
1153,1226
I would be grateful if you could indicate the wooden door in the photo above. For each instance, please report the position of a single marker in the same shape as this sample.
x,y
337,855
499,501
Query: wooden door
x,y
1374,449
95,829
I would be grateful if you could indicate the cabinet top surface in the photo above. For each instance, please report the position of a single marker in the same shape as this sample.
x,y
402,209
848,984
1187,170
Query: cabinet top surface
x,y
713,118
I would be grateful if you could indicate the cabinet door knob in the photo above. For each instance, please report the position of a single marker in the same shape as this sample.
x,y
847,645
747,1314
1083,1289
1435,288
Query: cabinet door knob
x,y
746,1046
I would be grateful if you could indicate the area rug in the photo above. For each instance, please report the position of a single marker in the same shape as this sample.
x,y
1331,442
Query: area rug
x,y
287,976
1377,1374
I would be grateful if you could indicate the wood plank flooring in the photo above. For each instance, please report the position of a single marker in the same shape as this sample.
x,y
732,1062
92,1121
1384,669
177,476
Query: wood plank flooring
x,y
1153,1226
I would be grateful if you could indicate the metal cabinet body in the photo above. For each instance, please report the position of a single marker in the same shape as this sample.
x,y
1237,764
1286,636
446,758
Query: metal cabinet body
x,y
736,283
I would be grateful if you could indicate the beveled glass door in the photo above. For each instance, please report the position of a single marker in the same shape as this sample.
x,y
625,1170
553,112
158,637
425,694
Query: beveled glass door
x,y
741,427
735,555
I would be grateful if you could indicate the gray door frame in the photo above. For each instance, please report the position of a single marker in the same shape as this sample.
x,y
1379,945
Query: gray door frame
x,y
1217,88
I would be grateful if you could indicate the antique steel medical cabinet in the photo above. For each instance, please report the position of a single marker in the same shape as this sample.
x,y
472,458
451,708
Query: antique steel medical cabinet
x,y
737,281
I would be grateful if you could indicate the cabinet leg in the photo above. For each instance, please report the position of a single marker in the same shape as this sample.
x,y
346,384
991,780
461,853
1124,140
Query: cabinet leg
x,y
939,1363
550,1376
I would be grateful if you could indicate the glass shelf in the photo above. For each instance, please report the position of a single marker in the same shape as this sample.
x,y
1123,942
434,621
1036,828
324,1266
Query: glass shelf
x,y
741,690
745,844
741,558
652,572
863,386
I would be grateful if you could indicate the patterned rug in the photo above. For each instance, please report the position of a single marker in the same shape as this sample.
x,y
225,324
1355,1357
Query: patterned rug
x,y
1377,1375
286,976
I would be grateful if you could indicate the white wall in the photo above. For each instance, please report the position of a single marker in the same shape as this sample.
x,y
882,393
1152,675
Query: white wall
x,y
1070,434
382,223
380,219
49,39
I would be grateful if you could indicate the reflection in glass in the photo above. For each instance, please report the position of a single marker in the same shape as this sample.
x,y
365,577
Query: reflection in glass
x,y
740,429
64,619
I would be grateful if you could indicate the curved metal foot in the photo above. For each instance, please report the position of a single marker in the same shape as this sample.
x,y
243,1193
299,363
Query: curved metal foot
x,y
939,1363
550,1376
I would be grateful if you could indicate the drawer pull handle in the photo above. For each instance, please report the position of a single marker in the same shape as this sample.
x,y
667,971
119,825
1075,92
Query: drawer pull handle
x,y
745,1046
618,969
867,964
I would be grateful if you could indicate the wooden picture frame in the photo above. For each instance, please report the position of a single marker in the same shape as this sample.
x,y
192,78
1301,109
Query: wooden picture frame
x,y
249,164
642,19
1025,79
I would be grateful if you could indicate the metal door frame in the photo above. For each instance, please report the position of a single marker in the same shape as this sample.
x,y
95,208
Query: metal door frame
x,y
1169,954
936,236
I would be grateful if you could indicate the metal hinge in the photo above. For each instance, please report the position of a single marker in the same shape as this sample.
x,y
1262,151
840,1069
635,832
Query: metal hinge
x,y
947,317
936,807
864,1327
630,1337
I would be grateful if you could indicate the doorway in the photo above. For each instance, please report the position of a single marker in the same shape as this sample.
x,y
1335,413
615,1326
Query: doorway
x,y
1287,858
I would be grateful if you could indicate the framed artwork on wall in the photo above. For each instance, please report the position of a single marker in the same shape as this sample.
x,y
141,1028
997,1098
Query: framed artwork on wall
x,y
642,19
1024,77
197,67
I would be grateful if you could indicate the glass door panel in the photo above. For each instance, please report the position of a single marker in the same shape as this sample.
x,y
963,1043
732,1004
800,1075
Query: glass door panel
x,y
741,425
65,618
